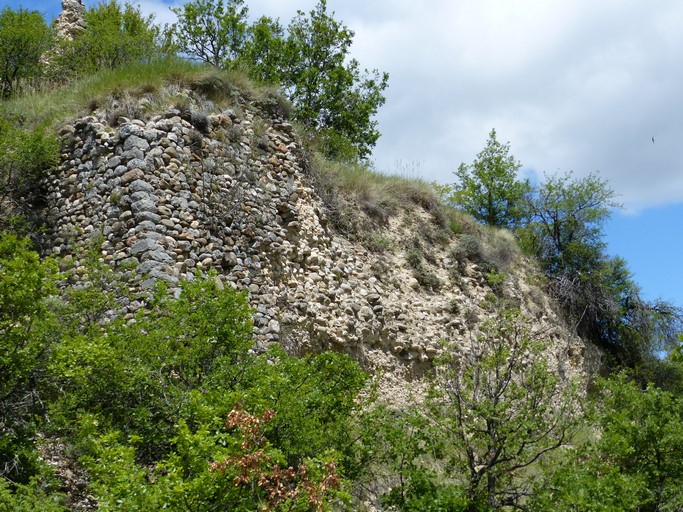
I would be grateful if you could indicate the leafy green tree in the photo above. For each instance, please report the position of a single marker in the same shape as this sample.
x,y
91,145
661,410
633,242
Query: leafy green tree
x,y
331,95
115,35
598,294
212,31
565,228
25,38
489,188
586,482
636,461
636,330
642,434
265,53
502,410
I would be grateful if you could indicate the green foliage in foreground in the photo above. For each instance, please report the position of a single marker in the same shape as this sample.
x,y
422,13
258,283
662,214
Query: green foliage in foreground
x,y
169,409
635,464
26,339
174,411
157,393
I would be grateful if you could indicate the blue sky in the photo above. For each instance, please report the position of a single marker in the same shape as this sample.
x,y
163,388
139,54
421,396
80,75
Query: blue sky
x,y
572,84
652,244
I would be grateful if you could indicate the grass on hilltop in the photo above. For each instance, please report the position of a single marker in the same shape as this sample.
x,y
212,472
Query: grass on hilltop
x,y
157,80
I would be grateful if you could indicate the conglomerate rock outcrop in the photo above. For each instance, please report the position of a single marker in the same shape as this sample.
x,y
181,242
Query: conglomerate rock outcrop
x,y
174,194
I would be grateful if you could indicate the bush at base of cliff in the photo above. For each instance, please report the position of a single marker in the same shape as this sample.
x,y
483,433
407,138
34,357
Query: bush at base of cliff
x,y
25,157
26,342
635,464
32,497
494,412
233,466
150,398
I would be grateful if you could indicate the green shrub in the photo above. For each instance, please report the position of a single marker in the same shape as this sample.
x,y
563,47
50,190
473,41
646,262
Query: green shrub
x,y
636,461
414,258
376,242
500,248
144,405
25,157
25,38
494,277
27,336
230,467
139,377
426,278
32,497
116,35
468,247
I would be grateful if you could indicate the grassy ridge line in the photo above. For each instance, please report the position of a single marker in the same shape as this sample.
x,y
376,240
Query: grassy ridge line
x,y
58,104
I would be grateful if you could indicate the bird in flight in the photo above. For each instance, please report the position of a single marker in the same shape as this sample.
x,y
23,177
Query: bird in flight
x,y
653,139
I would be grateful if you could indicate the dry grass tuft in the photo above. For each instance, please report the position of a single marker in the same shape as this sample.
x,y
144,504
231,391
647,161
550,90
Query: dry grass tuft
x,y
349,189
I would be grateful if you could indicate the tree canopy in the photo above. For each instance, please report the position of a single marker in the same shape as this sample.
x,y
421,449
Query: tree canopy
x,y
560,221
565,222
115,35
332,97
25,38
212,31
489,188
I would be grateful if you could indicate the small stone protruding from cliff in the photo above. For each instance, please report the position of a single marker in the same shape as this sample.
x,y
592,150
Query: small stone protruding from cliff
x,y
70,21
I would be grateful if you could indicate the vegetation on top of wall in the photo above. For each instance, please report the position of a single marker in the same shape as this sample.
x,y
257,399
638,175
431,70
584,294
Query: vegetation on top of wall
x,y
350,189
161,82
331,97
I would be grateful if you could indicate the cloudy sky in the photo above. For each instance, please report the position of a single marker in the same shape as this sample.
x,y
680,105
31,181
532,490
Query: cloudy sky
x,y
572,84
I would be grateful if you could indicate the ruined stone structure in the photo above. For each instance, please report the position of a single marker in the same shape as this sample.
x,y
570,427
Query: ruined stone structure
x,y
70,21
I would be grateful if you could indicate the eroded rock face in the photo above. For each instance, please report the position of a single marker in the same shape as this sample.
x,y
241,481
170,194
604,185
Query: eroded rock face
x,y
236,198
70,21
